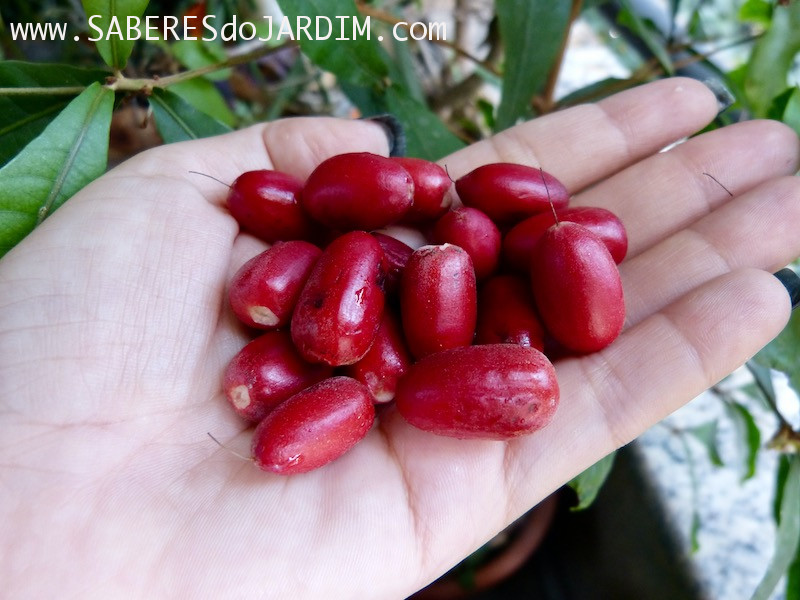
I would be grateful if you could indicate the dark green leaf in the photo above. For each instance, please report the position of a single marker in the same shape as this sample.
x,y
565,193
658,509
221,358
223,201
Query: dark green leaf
x,y
791,111
487,111
358,58
532,32
22,118
177,120
205,97
772,58
749,434
783,353
406,71
648,34
787,537
596,91
108,21
778,105
588,483
793,578
707,434
69,153
426,135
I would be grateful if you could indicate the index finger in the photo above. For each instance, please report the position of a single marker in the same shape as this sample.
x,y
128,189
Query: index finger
x,y
584,144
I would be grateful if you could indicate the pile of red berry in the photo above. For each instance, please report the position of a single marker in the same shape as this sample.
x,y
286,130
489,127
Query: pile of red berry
x,y
455,333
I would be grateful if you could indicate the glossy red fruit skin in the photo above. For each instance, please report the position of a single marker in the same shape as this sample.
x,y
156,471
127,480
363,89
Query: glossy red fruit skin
x,y
387,360
509,192
496,391
431,183
438,299
470,229
266,203
264,291
577,288
506,314
396,255
340,307
265,373
313,427
357,190
519,242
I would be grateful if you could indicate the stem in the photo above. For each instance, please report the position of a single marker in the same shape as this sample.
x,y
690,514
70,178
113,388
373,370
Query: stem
x,y
545,102
120,83
385,17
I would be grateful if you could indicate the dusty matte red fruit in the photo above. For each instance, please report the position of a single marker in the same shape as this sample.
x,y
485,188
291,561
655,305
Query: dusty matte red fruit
x,y
431,183
340,307
266,203
519,242
470,229
385,362
496,391
357,190
396,255
577,288
313,427
509,192
438,299
264,291
265,373
506,314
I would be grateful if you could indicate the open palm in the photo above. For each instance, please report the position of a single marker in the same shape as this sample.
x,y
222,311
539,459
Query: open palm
x,y
114,334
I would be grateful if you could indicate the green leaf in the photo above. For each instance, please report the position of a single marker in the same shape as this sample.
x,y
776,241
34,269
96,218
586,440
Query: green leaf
x,y
772,58
707,434
588,484
69,153
647,33
783,353
177,120
749,433
791,110
756,11
205,97
358,58
787,537
596,91
108,21
793,578
532,32
426,135
194,54
22,118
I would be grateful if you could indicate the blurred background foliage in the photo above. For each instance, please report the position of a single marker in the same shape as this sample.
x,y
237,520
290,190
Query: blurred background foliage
x,y
69,107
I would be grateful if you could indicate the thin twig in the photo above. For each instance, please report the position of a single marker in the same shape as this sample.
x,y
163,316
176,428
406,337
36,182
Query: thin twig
x,y
545,102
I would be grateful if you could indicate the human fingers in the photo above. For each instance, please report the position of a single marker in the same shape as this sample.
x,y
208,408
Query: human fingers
x,y
669,190
584,144
756,229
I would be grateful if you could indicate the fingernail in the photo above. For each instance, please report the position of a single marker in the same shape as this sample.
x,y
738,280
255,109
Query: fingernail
x,y
791,282
723,95
395,132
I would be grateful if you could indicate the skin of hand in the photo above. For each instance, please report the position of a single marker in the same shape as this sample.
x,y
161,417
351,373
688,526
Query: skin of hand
x,y
114,333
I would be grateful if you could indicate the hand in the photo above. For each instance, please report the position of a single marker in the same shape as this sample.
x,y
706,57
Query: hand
x,y
114,334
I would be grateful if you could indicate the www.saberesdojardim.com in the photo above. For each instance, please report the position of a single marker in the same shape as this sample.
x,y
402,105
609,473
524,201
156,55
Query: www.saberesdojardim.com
x,y
171,28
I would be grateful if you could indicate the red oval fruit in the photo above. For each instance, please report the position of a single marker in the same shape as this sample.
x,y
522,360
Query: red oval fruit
x,y
496,391
340,307
438,300
358,190
265,373
264,291
577,288
470,229
519,242
313,427
385,362
396,255
431,183
266,203
506,314
509,192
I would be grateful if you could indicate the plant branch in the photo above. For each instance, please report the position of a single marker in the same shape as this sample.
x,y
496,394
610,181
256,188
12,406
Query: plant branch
x,y
385,17
119,83
545,102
